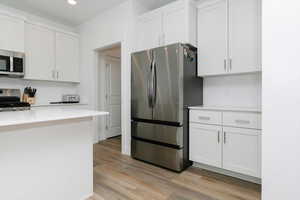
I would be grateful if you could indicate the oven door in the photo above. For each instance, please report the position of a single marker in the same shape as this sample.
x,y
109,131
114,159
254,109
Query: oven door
x,y
5,63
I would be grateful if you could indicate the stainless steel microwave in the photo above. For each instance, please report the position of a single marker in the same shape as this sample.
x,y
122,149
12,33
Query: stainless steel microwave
x,y
12,63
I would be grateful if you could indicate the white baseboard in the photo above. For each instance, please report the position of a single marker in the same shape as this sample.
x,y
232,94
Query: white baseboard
x,y
87,196
228,173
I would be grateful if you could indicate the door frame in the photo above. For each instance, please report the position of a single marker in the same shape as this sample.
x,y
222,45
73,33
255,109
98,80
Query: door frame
x,y
125,93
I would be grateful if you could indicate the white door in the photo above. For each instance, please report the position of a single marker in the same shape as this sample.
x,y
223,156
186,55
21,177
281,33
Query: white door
x,y
244,35
40,53
212,39
172,33
67,57
241,151
113,96
206,144
149,31
11,34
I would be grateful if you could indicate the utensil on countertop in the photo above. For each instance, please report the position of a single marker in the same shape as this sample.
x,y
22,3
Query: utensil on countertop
x,y
29,95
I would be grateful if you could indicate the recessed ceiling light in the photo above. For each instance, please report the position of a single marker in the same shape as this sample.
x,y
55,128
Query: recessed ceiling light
x,y
72,2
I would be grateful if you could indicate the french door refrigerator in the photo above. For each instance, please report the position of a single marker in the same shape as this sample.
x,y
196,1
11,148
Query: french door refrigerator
x,y
164,84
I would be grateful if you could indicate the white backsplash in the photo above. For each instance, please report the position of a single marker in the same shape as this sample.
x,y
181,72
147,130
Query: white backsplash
x,y
46,91
234,90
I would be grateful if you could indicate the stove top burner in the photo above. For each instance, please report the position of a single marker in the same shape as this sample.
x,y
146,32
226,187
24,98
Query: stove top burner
x,y
10,100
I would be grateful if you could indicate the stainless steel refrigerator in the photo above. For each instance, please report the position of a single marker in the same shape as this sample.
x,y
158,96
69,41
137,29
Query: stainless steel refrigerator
x,y
164,83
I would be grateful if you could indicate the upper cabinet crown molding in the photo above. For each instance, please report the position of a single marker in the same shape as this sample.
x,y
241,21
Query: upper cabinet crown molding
x,y
11,14
53,28
229,37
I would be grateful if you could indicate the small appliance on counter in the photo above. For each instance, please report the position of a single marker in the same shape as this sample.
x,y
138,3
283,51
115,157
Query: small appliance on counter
x,y
29,95
68,99
10,100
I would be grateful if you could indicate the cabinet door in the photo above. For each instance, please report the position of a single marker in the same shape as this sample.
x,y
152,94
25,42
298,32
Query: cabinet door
x,y
149,31
67,57
212,39
206,144
241,151
11,34
40,53
244,35
174,26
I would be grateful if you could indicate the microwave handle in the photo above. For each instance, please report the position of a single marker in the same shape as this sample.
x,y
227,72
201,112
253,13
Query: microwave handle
x,y
11,69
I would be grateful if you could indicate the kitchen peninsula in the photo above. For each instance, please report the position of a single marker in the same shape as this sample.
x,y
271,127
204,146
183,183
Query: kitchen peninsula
x,y
47,154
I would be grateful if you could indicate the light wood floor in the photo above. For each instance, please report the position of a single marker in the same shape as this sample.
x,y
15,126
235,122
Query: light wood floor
x,y
118,177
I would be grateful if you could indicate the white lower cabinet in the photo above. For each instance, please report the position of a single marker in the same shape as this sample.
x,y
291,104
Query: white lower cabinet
x,y
236,149
241,151
206,144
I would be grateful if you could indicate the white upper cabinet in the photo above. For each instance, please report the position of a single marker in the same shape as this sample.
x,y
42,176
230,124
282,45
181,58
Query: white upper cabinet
x,y
12,33
40,53
212,43
51,55
244,35
149,31
173,30
173,23
67,57
241,151
229,35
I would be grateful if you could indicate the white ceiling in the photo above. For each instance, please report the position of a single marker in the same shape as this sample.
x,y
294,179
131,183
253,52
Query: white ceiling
x,y
61,11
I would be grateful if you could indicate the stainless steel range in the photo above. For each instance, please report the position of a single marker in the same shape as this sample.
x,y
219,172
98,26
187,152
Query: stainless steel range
x,y
10,100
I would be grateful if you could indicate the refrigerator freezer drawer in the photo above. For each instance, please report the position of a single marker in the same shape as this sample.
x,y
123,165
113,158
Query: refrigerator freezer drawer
x,y
159,133
167,157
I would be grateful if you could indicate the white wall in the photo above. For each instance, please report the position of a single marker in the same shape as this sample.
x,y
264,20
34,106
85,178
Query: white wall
x,y
234,90
47,91
110,27
281,100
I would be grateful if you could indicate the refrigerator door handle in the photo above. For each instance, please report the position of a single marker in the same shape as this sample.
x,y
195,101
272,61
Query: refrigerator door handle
x,y
150,85
154,83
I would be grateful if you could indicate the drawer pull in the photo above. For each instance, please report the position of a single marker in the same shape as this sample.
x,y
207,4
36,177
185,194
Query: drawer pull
x,y
203,118
242,121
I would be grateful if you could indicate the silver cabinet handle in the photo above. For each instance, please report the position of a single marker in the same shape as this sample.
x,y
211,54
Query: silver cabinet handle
x,y
57,75
225,65
218,136
203,118
224,137
230,64
242,121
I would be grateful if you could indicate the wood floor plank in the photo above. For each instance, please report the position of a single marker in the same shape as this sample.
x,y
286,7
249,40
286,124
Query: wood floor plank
x,y
119,177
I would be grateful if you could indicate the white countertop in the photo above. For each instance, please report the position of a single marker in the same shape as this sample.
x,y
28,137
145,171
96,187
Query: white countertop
x,y
226,108
45,115
58,105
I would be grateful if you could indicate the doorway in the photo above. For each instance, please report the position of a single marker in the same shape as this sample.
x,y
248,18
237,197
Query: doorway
x,y
109,92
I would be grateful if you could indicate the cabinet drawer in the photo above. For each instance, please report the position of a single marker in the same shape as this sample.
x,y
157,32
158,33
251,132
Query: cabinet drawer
x,y
205,117
243,120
